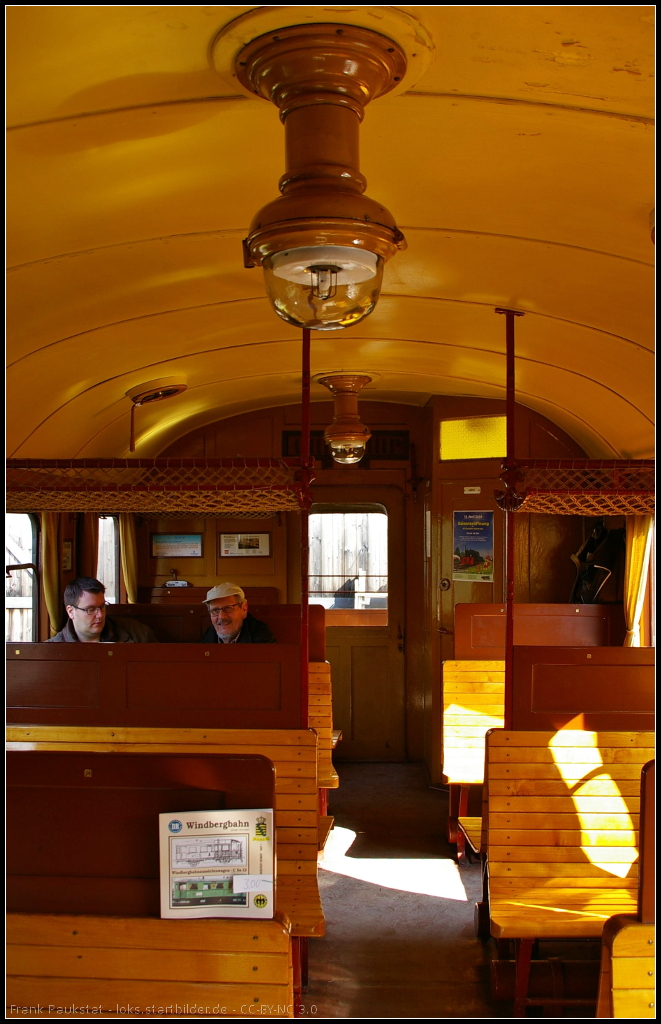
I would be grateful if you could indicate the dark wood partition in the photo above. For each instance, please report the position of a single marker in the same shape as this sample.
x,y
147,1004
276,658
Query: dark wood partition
x,y
218,686
479,629
82,835
187,623
604,688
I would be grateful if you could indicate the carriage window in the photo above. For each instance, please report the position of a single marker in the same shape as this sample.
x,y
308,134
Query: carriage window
x,y
107,569
349,566
480,437
21,585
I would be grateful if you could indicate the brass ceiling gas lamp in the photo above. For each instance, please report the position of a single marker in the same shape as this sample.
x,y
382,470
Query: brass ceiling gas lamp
x,y
346,437
322,243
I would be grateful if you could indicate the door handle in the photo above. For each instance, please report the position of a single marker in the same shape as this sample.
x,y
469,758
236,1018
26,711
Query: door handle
x,y
447,632
400,638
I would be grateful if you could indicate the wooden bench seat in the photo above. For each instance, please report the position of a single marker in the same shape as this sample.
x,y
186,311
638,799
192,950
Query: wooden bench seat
x,y
473,703
321,719
628,969
562,835
113,963
291,760
628,944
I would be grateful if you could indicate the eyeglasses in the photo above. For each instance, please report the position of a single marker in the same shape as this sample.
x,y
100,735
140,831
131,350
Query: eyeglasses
x,y
215,612
90,611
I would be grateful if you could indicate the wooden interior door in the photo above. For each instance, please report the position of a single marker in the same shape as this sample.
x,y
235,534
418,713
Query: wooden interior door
x,y
454,499
368,661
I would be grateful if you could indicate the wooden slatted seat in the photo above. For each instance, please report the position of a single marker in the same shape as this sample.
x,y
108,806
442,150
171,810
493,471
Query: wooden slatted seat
x,y
628,971
563,815
113,963
473,703
320,702
293,755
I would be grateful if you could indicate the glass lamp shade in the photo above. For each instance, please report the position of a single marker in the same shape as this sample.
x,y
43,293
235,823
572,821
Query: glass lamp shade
x,y
347,453
323,287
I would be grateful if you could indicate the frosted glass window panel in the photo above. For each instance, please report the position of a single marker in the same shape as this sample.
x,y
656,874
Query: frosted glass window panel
x,y
349,560
479,437
107,570
21,586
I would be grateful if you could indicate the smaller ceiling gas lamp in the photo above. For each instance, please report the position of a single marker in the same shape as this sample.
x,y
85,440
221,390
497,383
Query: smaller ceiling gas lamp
x,y
346,437
150,392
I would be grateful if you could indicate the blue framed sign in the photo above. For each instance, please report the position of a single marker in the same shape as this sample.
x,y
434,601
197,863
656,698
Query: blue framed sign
x,y
176,545
472,547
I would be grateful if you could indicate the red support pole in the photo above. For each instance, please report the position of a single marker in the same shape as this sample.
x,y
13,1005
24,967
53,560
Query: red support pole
x,y
510,466
305,544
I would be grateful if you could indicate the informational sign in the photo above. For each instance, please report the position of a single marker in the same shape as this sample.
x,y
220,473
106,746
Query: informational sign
x,y
245,545
472,547
176,545
217,863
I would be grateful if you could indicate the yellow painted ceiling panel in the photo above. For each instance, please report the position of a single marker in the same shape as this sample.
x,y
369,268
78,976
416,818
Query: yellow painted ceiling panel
x,y
520,166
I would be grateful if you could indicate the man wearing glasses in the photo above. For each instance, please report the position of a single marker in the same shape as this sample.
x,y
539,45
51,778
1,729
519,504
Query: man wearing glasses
x,y
85,602
231,622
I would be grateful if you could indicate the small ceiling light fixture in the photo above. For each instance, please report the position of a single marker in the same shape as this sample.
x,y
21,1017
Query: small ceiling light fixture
x,y
152,391
346,437
322,244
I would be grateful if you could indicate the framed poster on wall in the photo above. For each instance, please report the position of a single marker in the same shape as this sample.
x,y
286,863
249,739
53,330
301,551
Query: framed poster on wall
x,y
244,545
176,545
472,547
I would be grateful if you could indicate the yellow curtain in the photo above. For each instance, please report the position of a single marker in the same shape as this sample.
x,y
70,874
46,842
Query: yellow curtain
x,y
129,552
88,546
639,543
50,569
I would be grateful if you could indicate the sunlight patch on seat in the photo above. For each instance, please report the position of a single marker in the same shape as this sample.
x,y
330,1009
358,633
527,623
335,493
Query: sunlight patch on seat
x,y
432,877
597,798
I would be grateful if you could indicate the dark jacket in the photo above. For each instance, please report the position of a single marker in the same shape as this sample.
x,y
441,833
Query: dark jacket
x,y
124,631
252,632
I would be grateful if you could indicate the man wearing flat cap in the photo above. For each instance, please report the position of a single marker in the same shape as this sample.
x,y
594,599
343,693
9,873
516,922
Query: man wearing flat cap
x,y
231,622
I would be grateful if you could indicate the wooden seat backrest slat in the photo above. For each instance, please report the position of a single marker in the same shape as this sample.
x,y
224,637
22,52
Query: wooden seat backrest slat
x,y
473,702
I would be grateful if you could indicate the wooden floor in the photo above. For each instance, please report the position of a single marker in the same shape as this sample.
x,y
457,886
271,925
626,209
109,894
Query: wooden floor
x,y
389,952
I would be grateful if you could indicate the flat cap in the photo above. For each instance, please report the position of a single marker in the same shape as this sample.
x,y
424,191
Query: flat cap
x,y
224,590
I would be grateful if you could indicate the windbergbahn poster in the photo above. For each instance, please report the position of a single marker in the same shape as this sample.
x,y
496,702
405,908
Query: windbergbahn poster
x,y
217,863
472,547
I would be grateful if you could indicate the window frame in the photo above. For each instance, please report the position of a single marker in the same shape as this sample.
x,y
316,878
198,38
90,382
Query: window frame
x,y
36,573
363,617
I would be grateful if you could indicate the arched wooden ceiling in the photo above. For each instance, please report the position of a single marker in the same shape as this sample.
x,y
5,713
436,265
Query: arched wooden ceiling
x,y
519,165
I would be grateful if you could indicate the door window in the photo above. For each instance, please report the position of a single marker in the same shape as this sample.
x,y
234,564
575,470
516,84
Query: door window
x,y
348,571
21,585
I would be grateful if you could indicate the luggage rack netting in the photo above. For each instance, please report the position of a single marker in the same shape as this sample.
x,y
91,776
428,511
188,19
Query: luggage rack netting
x,y
249,488
579,487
